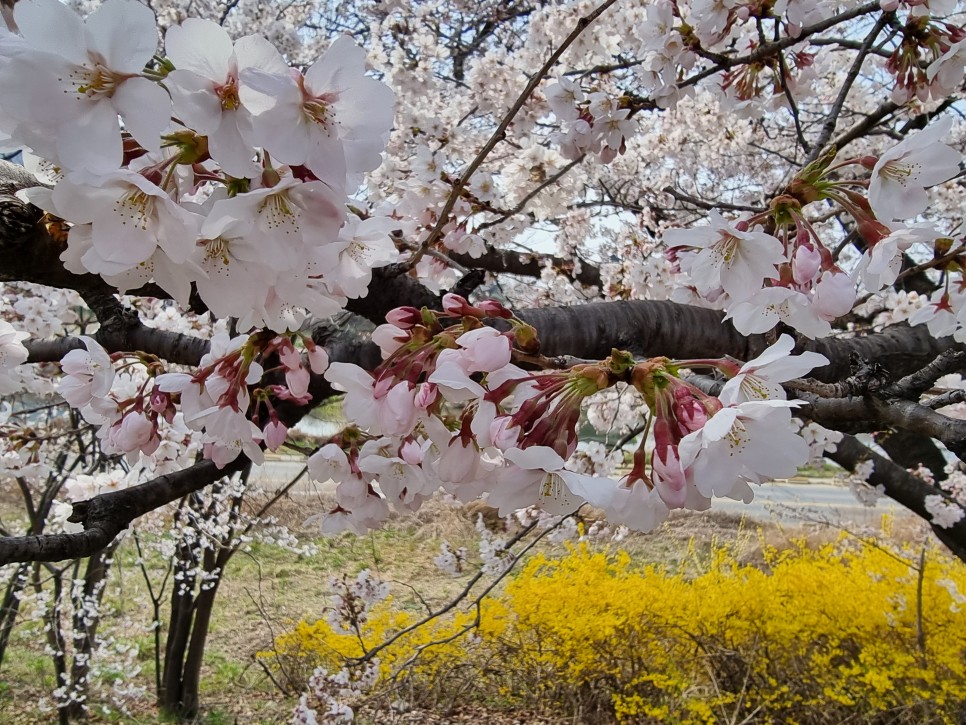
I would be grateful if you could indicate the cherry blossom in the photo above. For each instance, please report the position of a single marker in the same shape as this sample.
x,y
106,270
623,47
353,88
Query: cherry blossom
x,y
761,378
204,87
12,354
881,265
83,76
902,174
763,310
332,119
130,219
724,255
747,442
537,476
88,378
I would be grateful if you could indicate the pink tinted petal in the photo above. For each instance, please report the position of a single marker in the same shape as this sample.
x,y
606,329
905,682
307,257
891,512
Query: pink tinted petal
x,y
275,434
298,381
318,359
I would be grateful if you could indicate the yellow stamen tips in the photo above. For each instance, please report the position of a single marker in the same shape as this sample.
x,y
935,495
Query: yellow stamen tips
x,y
97,81
723,251
356,250
217,249
318,112
898,171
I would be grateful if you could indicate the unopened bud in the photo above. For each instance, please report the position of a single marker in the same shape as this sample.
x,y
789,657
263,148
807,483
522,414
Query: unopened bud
x,y
455,305
404,317
492,308
192,148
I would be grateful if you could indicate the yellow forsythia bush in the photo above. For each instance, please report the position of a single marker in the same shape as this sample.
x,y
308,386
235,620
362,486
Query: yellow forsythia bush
x,y
824,635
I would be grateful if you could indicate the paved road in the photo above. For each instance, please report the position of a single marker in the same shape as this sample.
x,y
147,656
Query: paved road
x,y
773,501
819,501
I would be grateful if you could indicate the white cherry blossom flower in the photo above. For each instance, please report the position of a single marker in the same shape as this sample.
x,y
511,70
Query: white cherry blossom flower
x,y
82,76
285,219
204,87
332,120
88,378
12,354
637,506
751,441
739,261
945,514
763,310
897,189
362,246
536,475
130,218
761,378
880,266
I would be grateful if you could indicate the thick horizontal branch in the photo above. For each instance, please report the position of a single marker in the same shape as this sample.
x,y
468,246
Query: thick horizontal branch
x,y
871,413
528,264
107,515
654,328
171,346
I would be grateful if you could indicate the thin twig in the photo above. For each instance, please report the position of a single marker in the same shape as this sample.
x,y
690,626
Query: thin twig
x,y
500,132
828,128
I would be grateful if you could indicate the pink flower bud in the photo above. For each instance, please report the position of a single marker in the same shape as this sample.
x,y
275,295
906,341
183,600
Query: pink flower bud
x,y
806,264
457,306
275,434
834,295
289,356
411,453
404,317
318,359
133,433
298,381
492,308
426,395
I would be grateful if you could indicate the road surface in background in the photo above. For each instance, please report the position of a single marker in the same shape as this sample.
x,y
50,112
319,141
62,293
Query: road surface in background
x,y
776,501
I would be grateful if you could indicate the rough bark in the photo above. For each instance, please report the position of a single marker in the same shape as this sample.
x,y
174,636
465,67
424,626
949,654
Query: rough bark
x,y
107,515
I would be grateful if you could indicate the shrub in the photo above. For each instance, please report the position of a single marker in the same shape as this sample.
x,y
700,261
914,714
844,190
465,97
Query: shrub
x,y
814,636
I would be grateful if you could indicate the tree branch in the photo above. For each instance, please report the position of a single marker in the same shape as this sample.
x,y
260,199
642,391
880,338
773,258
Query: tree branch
x,y
107,515
901,486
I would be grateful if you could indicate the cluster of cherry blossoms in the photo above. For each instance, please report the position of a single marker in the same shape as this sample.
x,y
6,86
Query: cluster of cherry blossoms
x,y
227,399
215,163
775,267
449,407
597,124
927,60
212,164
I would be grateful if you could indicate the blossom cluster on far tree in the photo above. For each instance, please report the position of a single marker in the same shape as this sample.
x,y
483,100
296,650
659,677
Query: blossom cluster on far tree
x,y
727,235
